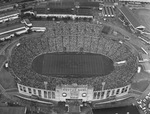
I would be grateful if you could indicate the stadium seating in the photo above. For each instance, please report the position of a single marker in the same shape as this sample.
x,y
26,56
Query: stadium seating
x,y
72,37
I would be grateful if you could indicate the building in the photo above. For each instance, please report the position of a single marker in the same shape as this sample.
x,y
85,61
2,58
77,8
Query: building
x,y
140,1
89,5
9,15
63,93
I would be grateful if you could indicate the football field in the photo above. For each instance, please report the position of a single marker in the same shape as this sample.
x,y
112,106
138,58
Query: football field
x,y
73,64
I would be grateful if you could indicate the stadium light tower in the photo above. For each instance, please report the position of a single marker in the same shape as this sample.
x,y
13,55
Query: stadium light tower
x,y
45,84
103,85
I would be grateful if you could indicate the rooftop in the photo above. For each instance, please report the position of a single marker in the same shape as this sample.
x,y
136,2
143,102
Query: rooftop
x,y
61,4
89,4
7,13
84,12
136,0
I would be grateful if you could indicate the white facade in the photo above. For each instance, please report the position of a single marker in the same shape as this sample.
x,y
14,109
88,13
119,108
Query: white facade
x,y
29,91
63,15
83,92
117,92
64,92
9,17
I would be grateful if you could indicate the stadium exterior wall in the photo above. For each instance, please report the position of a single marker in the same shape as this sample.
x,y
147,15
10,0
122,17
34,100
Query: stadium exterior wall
x,y
85,93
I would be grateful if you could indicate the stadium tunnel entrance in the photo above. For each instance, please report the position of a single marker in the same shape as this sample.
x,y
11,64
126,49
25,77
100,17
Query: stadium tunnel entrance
x,y
73,65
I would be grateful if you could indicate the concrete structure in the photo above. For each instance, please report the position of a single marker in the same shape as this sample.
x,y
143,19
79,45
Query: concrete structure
x,y
84,93
9,15
147,1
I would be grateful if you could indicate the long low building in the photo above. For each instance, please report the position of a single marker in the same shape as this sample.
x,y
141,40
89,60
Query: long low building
x,y
84,13
9,15
8,33
11,28
13,110
7,7
59,12
131,18
62,5
147,1
89,5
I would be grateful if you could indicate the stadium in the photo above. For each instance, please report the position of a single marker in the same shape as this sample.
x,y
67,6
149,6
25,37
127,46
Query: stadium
x,y
64,57
73,53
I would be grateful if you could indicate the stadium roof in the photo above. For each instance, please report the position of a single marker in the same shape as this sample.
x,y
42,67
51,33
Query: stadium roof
x,y
89,4
61,4
39,10
84,12
79,11
136,0
59,11
130,17
9,28
6,13
53,11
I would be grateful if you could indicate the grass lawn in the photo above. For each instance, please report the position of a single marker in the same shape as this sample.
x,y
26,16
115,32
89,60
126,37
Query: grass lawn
x,y
144,17
6,79
140,86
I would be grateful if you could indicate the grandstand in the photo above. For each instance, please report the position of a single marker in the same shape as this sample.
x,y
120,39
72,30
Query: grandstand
x,y
61,35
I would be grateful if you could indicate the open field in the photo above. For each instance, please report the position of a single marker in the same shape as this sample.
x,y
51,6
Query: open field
x,y
144,17
137,86
6,79
73,64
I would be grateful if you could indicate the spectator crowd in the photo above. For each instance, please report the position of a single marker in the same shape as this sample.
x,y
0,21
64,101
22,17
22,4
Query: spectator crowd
x,y
72,37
